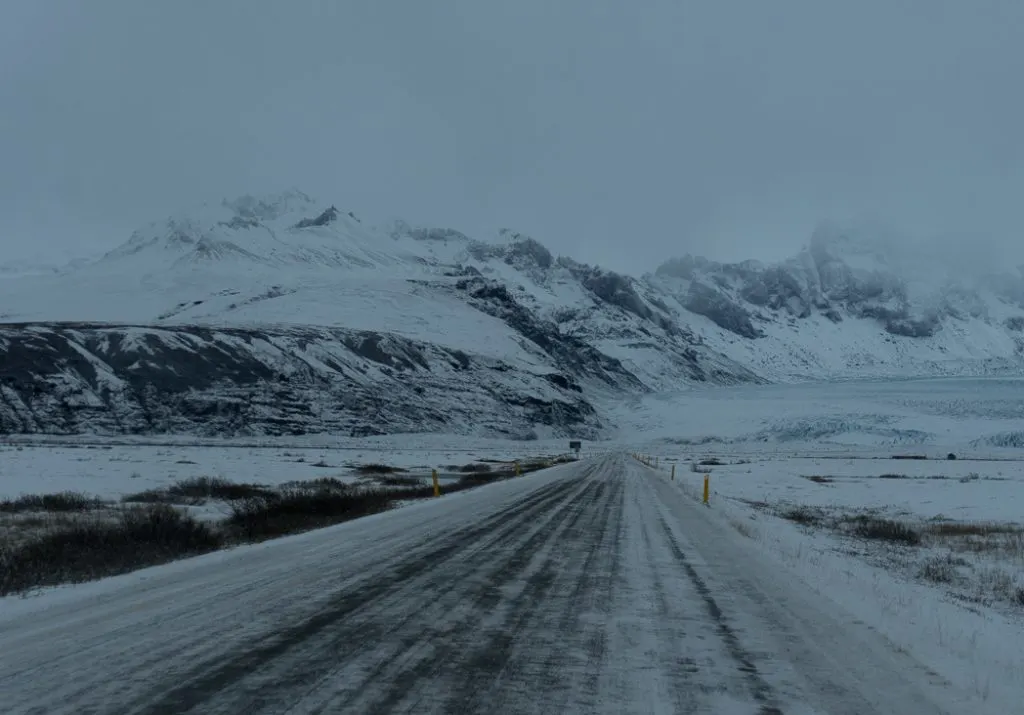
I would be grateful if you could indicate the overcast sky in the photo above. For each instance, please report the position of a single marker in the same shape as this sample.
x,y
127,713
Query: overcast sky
x,y
617,132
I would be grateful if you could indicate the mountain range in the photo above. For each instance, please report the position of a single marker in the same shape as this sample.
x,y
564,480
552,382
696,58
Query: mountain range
x,y
285,315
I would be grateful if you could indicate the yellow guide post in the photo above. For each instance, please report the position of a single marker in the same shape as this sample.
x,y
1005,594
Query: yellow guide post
x,y
707,478
673,471
519,471
437,484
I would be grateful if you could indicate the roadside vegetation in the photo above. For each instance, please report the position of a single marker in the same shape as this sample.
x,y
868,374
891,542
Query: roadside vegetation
x,y
51,539
974,561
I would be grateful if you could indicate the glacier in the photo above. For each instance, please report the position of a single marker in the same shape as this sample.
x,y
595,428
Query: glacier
x,y
284,314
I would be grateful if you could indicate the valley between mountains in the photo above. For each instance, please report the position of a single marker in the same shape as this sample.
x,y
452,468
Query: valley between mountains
x,y
285,315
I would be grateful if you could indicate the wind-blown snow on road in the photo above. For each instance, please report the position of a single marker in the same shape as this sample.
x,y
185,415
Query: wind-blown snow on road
x,y
593,587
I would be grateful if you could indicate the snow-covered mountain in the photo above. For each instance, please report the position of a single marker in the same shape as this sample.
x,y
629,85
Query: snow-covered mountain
x,y
852,305
282,314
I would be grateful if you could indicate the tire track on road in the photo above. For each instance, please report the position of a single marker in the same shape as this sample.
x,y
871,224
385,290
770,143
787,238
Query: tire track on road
x,y
760,690
592,595
604,589
529,557
811,655
538,645
682,669
204,683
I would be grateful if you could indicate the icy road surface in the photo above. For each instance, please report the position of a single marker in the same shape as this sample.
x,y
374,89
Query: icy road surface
x,y
595,587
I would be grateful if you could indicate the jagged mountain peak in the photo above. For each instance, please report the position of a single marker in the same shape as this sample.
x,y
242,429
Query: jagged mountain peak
x,y
859,273
324,218
294,284
285,229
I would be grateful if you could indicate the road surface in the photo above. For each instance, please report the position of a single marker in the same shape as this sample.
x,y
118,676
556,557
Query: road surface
x,y
595,587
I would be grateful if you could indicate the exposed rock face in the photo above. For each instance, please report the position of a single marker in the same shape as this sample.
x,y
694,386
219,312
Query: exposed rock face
x,y
327,217
64,378
714,304
180,375
241,319
573,354
834,277
526,251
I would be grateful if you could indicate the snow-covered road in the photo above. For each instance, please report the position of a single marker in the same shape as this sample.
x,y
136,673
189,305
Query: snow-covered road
x,y
594,587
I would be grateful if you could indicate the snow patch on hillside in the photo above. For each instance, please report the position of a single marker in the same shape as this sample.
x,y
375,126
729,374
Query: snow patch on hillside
x,y
849,305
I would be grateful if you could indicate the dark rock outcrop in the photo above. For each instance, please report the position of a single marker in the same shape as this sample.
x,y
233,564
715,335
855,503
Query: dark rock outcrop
x,y
717,307
329,216
107,379
571,353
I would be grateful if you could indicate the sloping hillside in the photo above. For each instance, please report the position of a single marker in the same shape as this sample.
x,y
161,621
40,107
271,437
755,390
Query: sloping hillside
x,y
285,315
276,315
75,378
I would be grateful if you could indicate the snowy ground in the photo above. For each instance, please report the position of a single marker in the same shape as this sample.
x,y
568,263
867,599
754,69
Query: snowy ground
x,y
803,466
975,418
978,416
798,467
109,469
962,490
954,598
592,587
968,627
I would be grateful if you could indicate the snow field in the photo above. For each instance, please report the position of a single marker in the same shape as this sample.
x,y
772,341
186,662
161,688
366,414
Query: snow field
x,y
110,470
953,600
95,501
822,454
970,416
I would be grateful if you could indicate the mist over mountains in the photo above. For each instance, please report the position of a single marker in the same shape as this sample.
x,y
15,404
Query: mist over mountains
x,y
288,315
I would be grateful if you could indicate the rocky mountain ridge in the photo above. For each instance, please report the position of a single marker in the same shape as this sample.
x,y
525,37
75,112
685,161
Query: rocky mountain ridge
x,y
840,279
285,315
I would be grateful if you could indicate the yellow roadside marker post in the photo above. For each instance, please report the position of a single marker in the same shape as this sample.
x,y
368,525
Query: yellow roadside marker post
x,y
707,478
673,472
437,484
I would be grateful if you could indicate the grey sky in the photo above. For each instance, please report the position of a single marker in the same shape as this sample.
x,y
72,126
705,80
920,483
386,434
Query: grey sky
x,y
617,132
